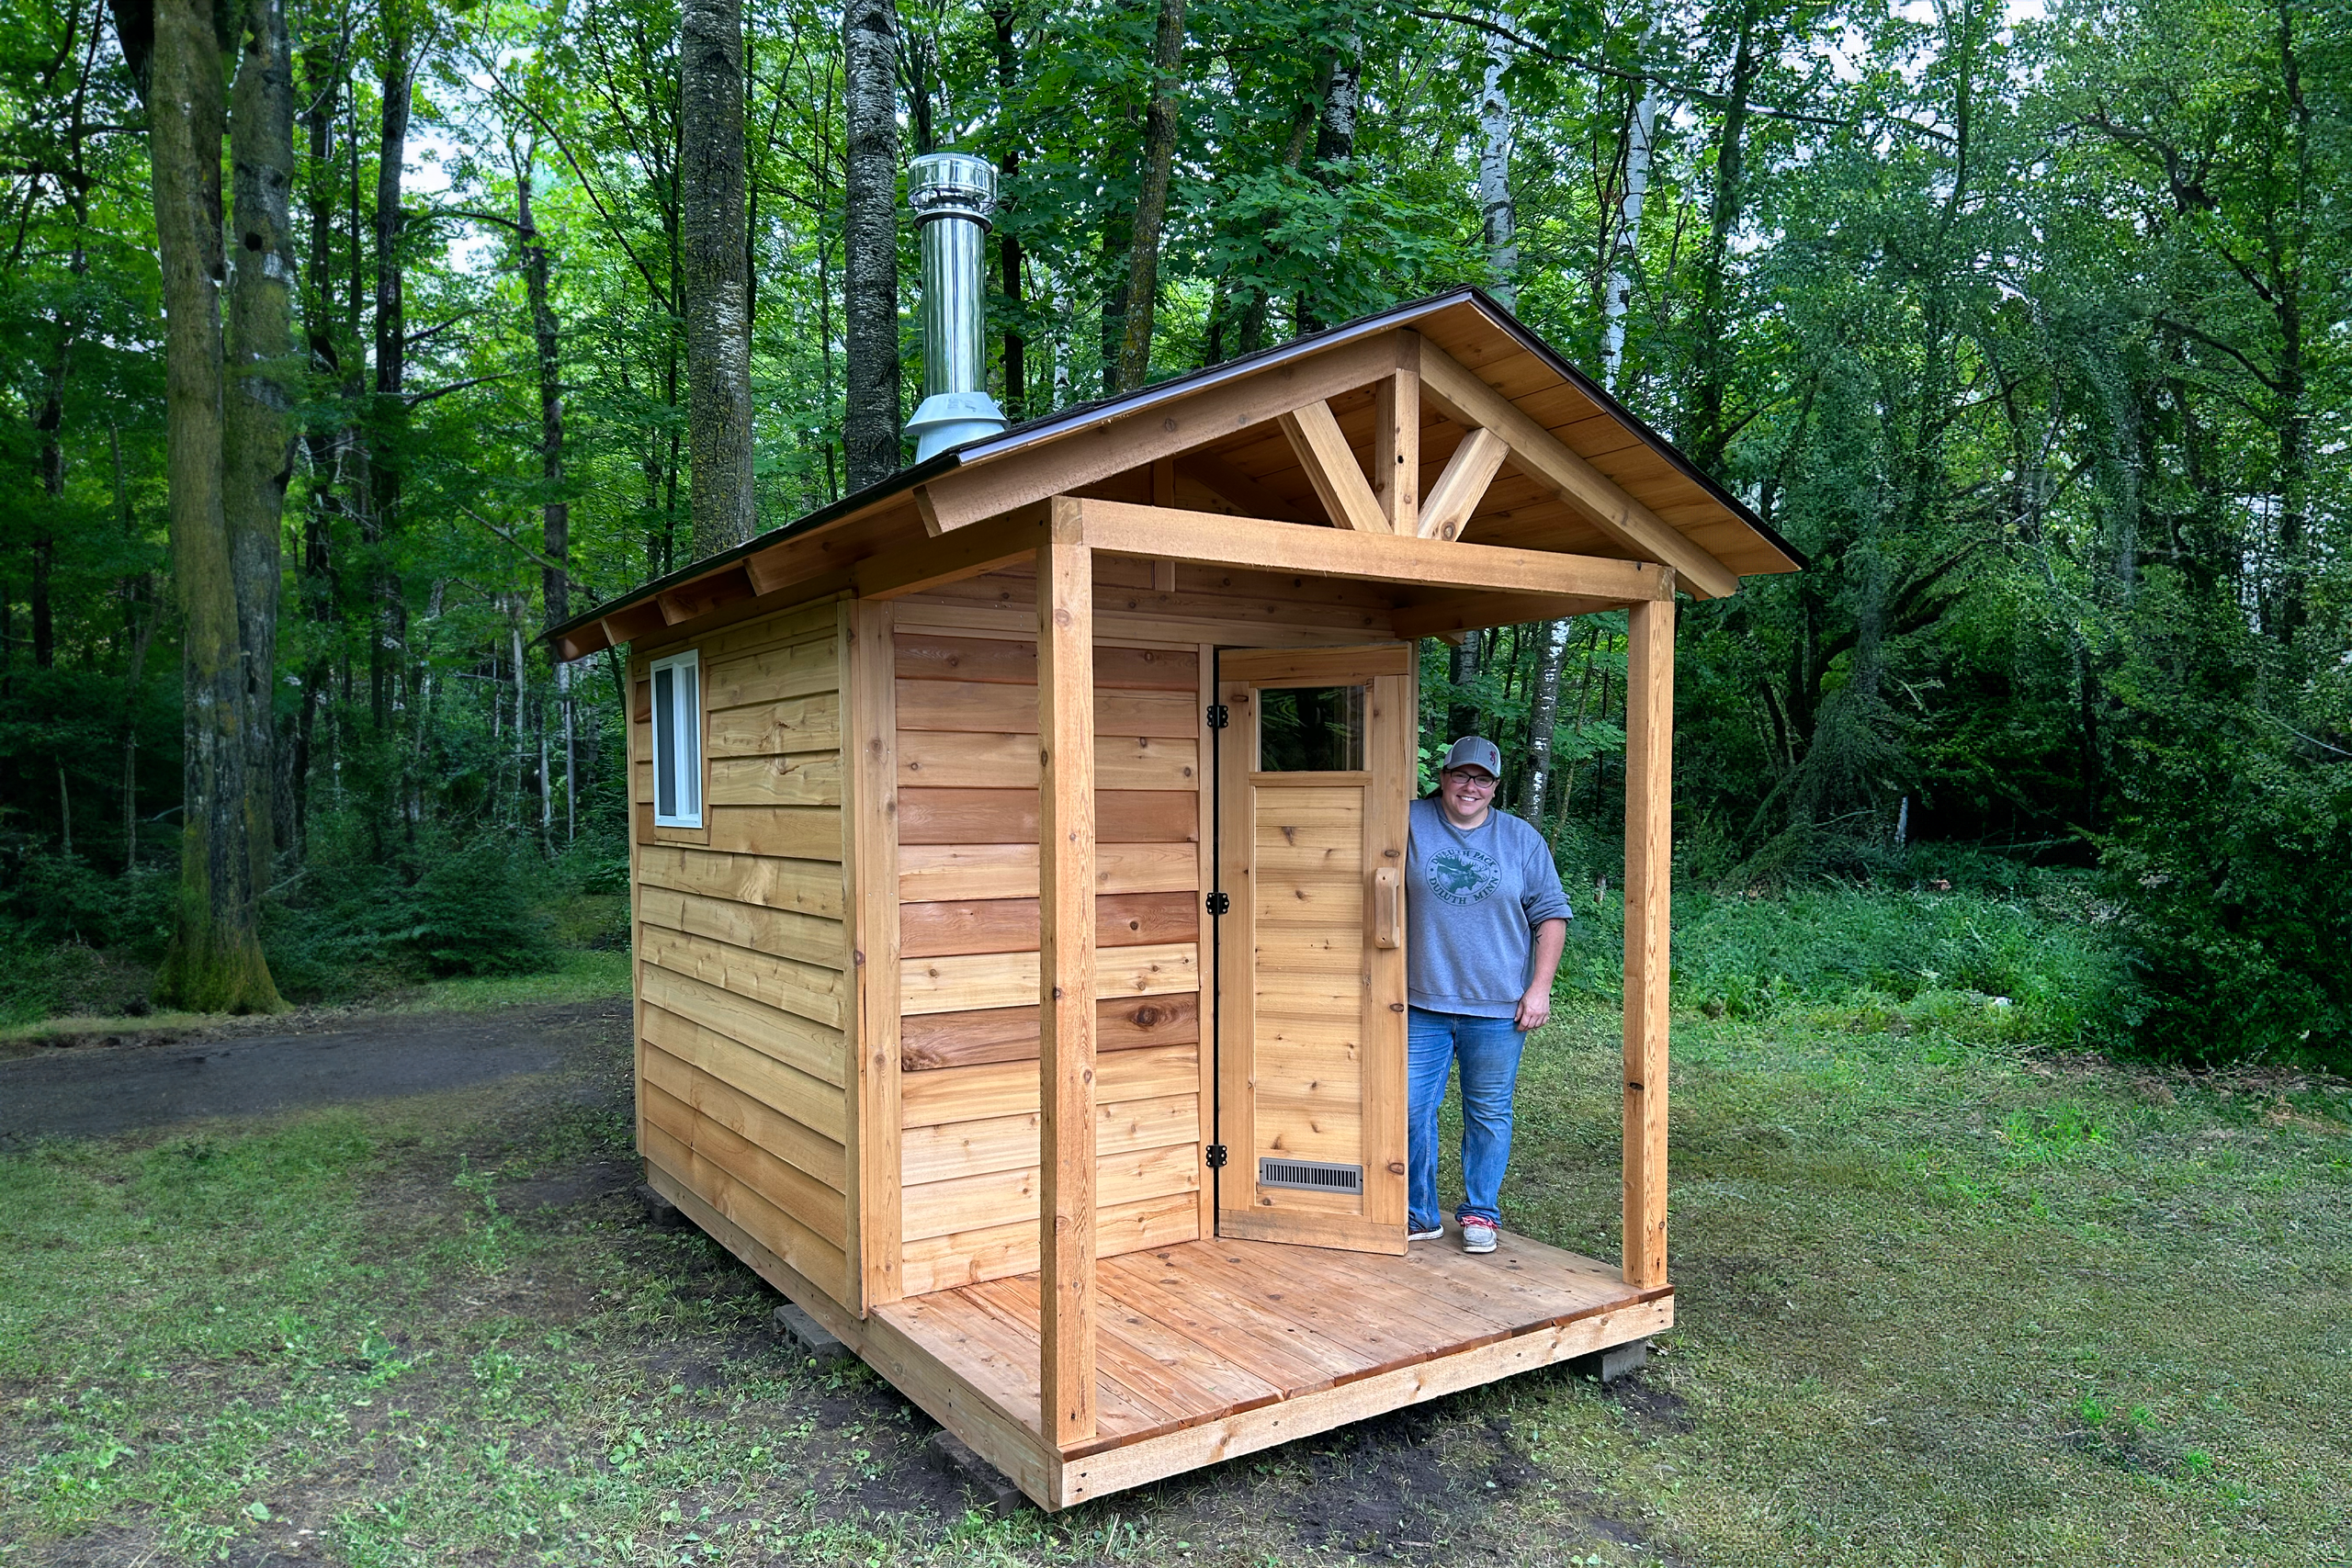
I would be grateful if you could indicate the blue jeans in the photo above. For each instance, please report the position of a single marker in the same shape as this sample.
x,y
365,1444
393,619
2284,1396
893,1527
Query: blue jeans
x,y
1488,1049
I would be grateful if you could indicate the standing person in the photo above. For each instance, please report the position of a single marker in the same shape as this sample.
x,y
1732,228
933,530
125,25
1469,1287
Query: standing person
x,y
1486,919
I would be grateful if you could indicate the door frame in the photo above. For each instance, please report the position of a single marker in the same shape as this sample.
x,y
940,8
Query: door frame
x,y
1390,671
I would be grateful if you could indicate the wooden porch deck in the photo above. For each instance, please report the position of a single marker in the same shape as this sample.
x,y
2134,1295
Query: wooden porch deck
x,y
1212,1349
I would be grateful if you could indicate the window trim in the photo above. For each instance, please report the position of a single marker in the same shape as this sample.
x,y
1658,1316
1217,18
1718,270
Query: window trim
x,y
685,744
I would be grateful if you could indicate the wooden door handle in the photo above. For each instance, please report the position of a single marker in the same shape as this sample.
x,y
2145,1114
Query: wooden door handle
x,y
1384,910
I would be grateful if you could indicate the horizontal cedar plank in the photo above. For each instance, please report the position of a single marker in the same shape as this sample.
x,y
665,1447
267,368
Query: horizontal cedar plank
x,y
807,778
816,621
798,832
811,887
772,674
1010,815
930,655
928,1040
794,1041
947,760
944,1262
812,1256
813,991
1009,925
933,872
811,1102
1009,1089
1002,979
1007,708
1010,1142
785,933
711,1119
766,729
973,1202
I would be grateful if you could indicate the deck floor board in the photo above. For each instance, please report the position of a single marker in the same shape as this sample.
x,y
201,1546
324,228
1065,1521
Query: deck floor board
x,y
1202,1330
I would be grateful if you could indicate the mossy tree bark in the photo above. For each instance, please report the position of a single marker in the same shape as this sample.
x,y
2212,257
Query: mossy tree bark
x,y
870,430
215,963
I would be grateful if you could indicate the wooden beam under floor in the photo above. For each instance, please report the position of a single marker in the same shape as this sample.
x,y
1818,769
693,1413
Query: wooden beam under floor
x,y
1066,977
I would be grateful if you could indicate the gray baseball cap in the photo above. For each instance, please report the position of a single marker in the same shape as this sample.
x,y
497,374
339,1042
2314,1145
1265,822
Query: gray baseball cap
x,y
1476,751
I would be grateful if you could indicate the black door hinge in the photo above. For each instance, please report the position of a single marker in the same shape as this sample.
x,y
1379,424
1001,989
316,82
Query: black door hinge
x,y
1219,717
1218,903
1217,1156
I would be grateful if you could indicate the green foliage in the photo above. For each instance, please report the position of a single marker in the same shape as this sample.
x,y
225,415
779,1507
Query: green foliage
x,y
2232,867
365,925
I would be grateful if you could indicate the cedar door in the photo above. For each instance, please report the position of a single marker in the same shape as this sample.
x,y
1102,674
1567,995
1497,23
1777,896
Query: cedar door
x,y
1313,766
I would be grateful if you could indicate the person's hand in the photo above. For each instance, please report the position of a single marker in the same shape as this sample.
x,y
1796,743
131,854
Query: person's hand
x,y
1534,1009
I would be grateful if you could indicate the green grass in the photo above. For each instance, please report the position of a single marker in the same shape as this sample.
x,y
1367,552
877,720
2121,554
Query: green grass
x,y
577,976
1946,1294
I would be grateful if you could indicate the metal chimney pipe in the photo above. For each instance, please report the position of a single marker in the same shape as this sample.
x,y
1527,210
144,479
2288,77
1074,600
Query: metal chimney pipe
x,y
954,196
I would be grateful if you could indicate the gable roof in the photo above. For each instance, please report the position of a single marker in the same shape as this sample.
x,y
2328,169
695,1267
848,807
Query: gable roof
x,y
1247,465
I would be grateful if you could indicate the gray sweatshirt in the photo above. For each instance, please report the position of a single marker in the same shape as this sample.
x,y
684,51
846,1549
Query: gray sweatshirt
x,y
1472,903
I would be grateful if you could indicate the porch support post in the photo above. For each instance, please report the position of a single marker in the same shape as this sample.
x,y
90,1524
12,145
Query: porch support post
x,y
1066,1001
1649,852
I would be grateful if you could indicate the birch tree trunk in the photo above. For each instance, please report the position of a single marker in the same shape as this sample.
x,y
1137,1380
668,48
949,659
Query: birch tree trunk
x,y
215,962
1497,216
716,275
1151,199
870,429
1618,292
1543,716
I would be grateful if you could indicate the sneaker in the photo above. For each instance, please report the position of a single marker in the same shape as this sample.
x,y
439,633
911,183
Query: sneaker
x,y
1430,1235
1478,1235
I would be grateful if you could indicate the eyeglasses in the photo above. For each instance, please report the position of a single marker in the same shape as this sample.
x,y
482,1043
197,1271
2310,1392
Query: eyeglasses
x,y
1476,781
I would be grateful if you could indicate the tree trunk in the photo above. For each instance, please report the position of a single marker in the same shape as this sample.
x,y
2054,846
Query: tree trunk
x,y
1008,83
1543,715
716,275
1151,199
555,512
1625,243
257,424
871,423
215,962
1462,718
390,421
1711,434
1498,215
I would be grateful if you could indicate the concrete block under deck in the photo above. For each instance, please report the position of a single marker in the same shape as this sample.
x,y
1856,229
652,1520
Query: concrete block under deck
x,y
1211,1349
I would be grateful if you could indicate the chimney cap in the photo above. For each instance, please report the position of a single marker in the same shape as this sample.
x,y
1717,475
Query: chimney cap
x,y
951,185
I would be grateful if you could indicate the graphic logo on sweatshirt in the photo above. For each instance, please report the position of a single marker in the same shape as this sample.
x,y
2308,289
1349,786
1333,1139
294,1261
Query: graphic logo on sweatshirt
x,y
1462,877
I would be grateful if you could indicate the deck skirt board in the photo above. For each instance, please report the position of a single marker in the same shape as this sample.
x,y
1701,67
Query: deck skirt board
x,y
1221,1338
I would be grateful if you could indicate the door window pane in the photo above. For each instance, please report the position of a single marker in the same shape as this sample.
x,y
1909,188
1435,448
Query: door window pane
x,y
1311,729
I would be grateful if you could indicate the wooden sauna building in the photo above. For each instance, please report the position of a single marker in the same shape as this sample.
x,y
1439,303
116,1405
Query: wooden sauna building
x,y
1018,864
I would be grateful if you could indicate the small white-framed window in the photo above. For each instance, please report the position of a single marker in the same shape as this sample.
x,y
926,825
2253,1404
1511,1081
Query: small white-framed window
x,y
677,740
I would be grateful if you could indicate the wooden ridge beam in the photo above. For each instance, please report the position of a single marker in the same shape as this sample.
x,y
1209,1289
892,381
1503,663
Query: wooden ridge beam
x,y
1543,457
1118,528
1322,450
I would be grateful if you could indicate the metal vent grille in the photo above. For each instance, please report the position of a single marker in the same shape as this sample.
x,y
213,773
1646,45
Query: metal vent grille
x,y
1309,1175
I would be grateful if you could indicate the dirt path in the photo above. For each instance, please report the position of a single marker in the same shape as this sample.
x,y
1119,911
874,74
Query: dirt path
x,y
95,1091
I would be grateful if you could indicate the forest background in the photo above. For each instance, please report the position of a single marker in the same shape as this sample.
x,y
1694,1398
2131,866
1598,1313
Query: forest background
x,y
2026,323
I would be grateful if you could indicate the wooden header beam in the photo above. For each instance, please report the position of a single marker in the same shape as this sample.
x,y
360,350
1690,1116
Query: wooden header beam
x,y
1123,528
